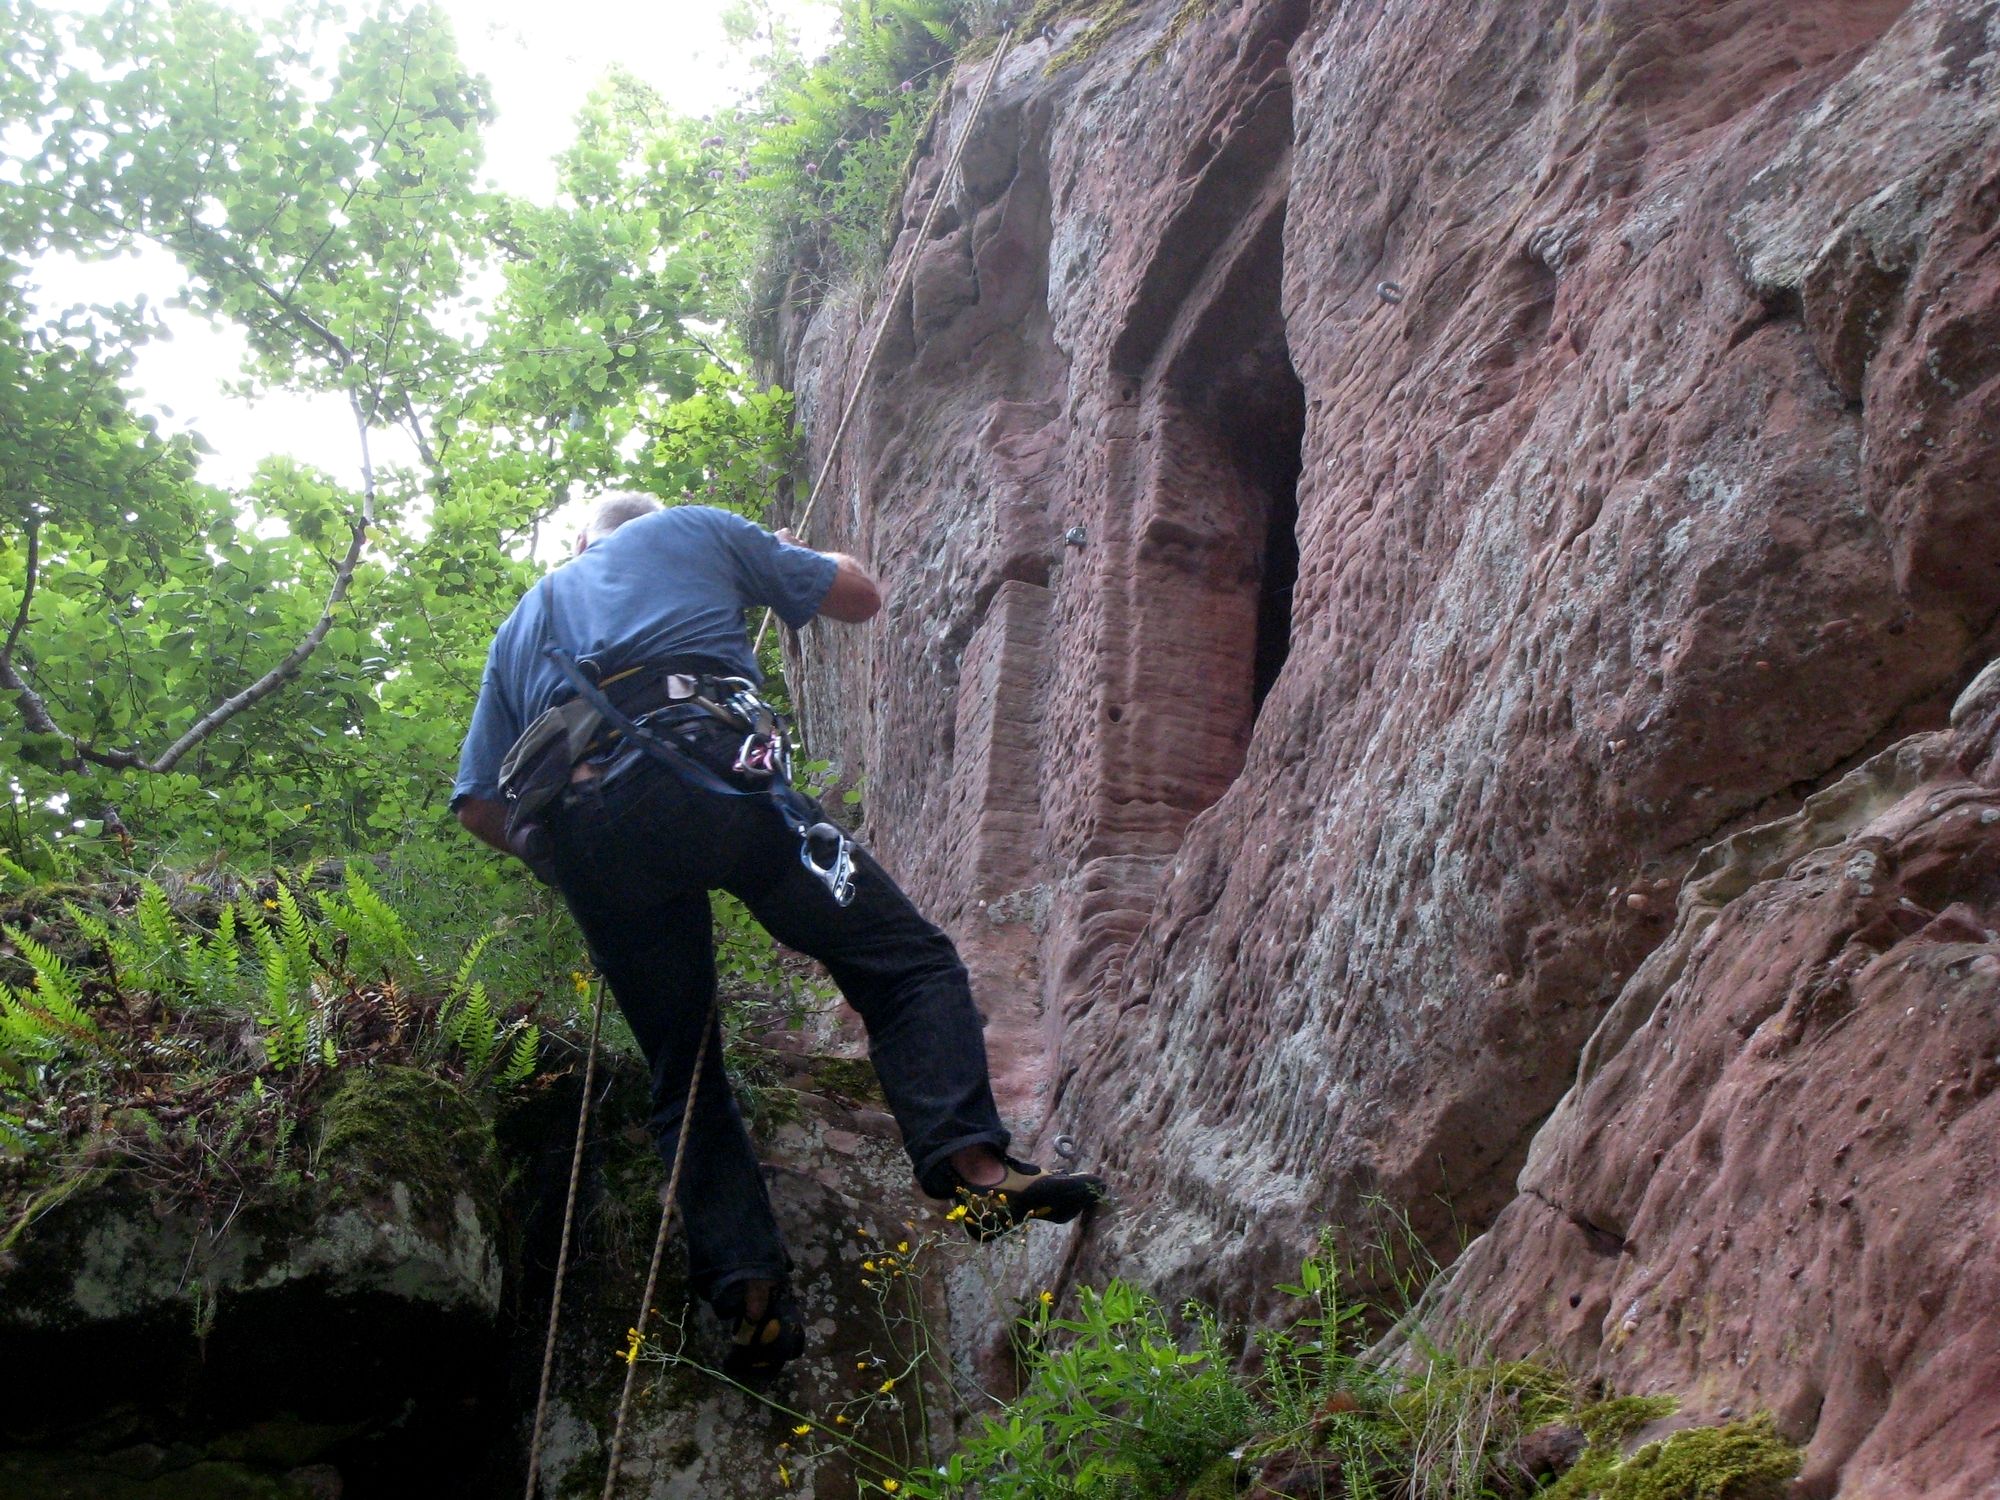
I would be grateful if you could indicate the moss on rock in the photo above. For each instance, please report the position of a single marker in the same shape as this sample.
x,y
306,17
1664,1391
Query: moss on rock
x,y
402,1125
1737,1461
1740,1461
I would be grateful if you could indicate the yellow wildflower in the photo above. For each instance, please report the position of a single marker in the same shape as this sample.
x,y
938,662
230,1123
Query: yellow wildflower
x,y
802,1429
868,1265
886,1386
902,1247
957,1213
269,904
634,1341
1048,1297
784,1476
891,1486
841,1420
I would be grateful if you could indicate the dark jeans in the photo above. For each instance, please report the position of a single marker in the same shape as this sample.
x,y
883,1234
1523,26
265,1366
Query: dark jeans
x,y
636,853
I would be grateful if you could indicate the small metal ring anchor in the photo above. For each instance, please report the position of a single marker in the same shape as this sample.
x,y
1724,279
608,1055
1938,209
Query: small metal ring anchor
x,y
1389,291
1065,1146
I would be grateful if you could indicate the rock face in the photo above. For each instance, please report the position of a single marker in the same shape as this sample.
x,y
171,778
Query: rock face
x,y
314,1332
1773,1183
1368,495
377,1332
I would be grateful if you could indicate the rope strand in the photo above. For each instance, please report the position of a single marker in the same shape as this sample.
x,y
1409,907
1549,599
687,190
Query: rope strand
x,y
653,1268
562,1253
889,306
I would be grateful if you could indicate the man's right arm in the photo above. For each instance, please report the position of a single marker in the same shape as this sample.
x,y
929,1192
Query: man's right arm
x,y
485,820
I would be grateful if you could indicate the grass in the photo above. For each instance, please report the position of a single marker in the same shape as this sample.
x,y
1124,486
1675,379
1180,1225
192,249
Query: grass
x,y
1122,1397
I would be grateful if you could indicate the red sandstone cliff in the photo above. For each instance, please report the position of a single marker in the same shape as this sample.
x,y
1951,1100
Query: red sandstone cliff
x,y
1516,448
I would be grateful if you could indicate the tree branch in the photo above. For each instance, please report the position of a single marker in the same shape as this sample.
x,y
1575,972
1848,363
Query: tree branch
x,y
27,590
285,670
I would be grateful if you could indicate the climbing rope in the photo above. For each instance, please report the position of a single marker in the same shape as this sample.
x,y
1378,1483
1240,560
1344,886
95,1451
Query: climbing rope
x,y
889,305
637,1334
562,1253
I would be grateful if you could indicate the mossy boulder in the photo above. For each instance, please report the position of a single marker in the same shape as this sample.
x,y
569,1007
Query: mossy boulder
x,y
1741,1461
316,1313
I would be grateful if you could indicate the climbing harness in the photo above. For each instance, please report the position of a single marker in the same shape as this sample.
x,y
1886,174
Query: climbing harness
x,y
759,750
766,745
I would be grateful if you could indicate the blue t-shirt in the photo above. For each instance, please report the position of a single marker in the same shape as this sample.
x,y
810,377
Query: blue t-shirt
x,y
675,582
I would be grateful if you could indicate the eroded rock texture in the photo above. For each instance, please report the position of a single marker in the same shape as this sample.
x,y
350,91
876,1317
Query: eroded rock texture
x,y
1513,447
1774,1182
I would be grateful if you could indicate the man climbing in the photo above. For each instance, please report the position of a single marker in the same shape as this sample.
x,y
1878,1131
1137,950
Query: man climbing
x,y
653,608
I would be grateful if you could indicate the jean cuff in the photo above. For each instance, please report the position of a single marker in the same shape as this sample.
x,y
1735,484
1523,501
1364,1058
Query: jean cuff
x,y
714,1292
933,1172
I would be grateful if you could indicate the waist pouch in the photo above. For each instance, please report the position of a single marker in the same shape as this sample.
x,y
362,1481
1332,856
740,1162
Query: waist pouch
x,y
536,768
710,719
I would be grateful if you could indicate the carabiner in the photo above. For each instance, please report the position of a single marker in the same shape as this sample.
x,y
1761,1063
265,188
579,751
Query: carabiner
x,y
837,875
759,757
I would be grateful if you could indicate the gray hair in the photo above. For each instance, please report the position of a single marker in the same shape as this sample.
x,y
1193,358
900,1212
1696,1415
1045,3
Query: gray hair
x,y
616,511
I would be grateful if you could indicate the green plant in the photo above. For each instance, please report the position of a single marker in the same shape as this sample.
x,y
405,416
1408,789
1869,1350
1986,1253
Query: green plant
x,y
48,1017
1120,1399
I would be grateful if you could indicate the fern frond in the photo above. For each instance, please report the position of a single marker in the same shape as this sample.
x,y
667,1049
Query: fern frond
x,y
158,928
24,1030
213,962
390,933
292,930
56,991
521,1058
475,1027
258,931
467,964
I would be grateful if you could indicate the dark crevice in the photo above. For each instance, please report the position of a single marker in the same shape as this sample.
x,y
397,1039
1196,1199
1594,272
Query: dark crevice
x,y
1268,448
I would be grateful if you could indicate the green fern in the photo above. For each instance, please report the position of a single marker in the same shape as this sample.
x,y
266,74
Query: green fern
x,y
159,931
461,981
294,934
378,939
144,954
285,1018
522,1057
472,1030
213,963
26,1031
49,1016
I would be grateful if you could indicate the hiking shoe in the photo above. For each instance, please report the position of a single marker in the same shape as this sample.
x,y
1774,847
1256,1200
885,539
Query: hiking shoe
x,y
761,1344
1026,1192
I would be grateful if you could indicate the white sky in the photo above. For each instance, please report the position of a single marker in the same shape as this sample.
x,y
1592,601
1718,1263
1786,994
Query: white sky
x,y
541,59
